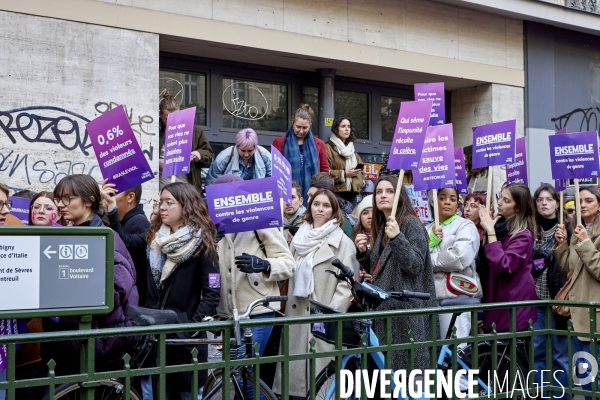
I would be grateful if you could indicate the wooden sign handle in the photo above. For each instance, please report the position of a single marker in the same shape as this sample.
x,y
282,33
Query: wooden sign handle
x,y
397,195
436,211
577,205
489,189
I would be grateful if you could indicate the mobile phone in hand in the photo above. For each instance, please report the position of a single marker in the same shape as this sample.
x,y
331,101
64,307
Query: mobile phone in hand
x,y
360,166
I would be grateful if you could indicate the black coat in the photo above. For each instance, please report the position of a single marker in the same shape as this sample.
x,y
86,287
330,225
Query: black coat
x,y
187,292
133,229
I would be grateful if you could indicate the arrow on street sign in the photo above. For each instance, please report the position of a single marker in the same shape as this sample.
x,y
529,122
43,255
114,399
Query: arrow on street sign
x,y
47,252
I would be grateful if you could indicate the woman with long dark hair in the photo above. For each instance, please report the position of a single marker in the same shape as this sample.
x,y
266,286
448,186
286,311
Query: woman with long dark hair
x,y
398,259
182,257
78,200
343,159
506,265
581,257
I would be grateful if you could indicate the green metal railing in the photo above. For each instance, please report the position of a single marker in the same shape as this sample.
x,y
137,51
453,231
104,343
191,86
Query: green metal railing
x,y
89,377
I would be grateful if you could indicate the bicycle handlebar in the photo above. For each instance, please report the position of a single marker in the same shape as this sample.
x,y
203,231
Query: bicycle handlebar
x,y
407,294
246,315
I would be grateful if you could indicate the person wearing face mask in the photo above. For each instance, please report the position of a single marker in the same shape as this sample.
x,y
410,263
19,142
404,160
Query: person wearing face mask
x,y
293,213
43,211
305,152
580,257
202,153
78,200
454,245
246,159
506,265
548,281
318,242
343,160
397,256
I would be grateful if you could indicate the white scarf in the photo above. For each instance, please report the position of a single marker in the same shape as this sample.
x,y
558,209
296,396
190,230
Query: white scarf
x,y
306,242
346,151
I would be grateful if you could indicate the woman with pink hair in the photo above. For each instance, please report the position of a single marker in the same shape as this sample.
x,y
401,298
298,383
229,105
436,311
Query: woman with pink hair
x,y
246,159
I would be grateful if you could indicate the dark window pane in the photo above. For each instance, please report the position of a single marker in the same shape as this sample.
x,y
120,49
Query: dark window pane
x,y
355,106
310,96
189,89
257,105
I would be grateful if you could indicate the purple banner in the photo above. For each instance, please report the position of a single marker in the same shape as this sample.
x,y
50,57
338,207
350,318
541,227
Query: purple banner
x,y
7,327
494,144
20,208
460,173
560,185
282,171
435,93
118,152
436,169
574,155
562,131
517,172
245,206
179,134
409,135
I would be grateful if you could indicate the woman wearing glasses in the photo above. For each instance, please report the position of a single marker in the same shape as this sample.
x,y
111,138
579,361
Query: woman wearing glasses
x,y
570,208
548,281
77,198
43,211
5,204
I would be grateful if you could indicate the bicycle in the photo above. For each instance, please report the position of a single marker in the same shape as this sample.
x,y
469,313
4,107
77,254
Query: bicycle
x,y
368,297
113,389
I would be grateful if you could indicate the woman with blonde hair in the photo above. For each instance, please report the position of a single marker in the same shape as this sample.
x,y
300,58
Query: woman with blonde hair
x,y
305,152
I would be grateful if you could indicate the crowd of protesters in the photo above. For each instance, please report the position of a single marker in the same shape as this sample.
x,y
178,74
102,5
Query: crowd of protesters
x,y
520,252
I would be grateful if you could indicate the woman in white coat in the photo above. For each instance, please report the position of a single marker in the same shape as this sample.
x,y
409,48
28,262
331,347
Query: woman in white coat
x,y
318,242
454,245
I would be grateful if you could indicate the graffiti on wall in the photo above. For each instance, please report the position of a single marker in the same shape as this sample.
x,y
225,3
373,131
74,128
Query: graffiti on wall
x,y
584,119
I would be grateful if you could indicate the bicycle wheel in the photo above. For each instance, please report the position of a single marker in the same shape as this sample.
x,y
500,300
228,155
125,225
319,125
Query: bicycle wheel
x,y
498,373
324,381
213,388
107,390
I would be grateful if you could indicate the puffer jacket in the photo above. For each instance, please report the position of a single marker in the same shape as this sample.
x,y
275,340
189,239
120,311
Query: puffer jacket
x,y
228,162
107,349
456,253
239,289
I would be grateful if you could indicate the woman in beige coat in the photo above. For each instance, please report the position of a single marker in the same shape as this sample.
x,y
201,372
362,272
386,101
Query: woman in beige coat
x,y
582,258
318,242
343,160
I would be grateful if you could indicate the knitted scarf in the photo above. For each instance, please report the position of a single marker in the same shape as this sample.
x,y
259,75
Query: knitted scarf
x,y
301,171
346,151
306,242
168,250
289,222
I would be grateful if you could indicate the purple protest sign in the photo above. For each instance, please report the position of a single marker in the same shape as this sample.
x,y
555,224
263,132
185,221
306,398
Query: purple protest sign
x,y
460,173
436,170
179,134
282,171
560,185
494,144
20,208
562,131
517,172
118,152
574,155
7,327
245,206
435,93
409,135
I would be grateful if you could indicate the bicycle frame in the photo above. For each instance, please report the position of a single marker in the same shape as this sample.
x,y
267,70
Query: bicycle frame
x,y
446,353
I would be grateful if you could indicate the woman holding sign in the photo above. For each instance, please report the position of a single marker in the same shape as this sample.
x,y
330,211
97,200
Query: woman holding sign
x,y
398,259
581,259
318,242
344,162
506,265
306,153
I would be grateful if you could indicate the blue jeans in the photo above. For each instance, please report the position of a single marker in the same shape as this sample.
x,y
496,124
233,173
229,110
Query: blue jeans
x,y
579,345
260,335
3,379
560,356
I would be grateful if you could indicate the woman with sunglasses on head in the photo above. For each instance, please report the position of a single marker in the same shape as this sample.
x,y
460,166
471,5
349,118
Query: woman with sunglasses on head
x,y
548,281
505,268
182,257
454,244
397,256
580,256
43,211
78,200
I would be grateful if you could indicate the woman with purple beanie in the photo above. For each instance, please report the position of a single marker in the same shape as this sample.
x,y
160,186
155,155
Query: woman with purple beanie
x,y
246,159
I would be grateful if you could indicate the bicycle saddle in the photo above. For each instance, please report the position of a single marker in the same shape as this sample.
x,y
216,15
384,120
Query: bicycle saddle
x,y
149,316
460,301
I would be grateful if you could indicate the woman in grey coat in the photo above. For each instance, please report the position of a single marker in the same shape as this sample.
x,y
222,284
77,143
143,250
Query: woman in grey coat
x,y
398,259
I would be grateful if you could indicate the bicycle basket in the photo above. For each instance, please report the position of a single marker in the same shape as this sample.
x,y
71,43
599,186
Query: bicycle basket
x,y
351,330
